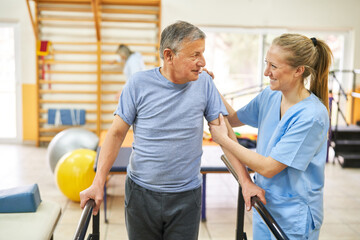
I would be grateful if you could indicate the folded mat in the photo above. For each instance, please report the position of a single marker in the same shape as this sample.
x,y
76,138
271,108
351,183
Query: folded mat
x,y
20,199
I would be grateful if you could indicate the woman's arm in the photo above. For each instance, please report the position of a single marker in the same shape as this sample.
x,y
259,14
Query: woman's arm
x,y
266,166
249,189
232,117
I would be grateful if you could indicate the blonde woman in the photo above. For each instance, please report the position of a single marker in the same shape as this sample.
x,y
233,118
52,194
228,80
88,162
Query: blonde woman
x,y
292,124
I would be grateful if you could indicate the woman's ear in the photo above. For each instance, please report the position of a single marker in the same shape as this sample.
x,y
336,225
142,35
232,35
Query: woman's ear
x,y
299,71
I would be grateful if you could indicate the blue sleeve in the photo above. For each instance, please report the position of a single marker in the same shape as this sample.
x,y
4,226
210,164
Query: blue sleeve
x,y
126,108
249,114
214,105
299,144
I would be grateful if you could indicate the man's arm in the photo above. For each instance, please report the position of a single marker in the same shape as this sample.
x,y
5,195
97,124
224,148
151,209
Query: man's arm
x,y
108,153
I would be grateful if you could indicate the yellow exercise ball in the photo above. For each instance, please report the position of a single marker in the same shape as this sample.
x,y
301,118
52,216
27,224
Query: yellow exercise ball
x,y
75,172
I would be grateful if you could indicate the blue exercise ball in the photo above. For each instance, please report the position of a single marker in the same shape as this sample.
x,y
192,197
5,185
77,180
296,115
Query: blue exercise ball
x,y
69,140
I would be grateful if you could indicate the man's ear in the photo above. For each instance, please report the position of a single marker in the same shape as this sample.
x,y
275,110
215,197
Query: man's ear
x,y
168,55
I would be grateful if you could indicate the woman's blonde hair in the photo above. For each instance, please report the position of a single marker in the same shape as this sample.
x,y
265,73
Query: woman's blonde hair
x,y
315,55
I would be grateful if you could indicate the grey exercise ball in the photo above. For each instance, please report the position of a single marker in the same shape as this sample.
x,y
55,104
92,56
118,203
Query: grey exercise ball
x,y
69,140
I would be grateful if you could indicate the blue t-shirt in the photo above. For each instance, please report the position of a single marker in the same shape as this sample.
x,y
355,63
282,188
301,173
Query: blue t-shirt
x,y
298,140
167,120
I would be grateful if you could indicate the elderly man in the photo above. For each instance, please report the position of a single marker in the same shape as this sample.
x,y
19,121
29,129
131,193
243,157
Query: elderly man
x,y
166,106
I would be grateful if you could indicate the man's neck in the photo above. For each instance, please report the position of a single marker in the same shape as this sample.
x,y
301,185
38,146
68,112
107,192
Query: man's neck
x,y
169,75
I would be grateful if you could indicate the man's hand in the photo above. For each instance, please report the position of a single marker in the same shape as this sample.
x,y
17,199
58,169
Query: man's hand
x,y
93,192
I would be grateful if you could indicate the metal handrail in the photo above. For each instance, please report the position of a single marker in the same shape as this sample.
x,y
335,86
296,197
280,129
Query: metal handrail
x,y
333,74
333,133
260,208
84,223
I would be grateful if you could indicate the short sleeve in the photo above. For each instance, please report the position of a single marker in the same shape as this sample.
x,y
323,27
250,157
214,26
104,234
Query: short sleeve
x,y
126,108
299,144
249,114
214,105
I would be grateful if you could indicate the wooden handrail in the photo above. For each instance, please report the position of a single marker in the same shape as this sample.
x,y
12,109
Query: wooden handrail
x,y
64,19
74,52
44,120
129,11
51,62
51,91
88,111
87,2
108,43
113,82
132,44
106,19
64,9
107,111
59,129
132,2
67,101
65,82
108,92
69,72
107,121
102,9
109,102
74,43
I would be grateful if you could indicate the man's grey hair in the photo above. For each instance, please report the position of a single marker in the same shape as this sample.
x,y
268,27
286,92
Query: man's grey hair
x,y
175,34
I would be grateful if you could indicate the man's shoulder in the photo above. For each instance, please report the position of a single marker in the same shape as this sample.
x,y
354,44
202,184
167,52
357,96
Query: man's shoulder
x,y
143,75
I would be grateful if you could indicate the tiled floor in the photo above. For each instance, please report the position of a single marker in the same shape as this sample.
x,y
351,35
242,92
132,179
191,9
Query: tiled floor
x,y
24,164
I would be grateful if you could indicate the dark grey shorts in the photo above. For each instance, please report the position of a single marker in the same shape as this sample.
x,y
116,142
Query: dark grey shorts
x,y
153,215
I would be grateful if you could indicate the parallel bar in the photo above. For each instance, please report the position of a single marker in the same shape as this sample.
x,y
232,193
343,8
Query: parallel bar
x,y
260,208
84,222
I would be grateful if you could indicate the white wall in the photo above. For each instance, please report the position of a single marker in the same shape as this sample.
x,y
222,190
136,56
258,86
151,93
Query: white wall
x,y
296,14
15,11
313,14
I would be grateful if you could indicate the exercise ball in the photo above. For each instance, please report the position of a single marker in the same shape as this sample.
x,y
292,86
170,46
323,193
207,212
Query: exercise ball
x,y
68,140
75,172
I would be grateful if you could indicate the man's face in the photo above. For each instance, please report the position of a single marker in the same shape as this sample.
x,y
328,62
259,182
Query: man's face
x,y
189,61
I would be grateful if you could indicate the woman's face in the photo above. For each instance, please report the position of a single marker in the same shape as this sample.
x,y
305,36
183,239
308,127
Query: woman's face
x,y
281,74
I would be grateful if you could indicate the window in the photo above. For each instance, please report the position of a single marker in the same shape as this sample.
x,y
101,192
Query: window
x,y
8,86
236,56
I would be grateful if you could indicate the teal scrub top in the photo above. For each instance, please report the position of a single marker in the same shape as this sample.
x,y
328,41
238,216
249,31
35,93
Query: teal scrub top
x,y
298,140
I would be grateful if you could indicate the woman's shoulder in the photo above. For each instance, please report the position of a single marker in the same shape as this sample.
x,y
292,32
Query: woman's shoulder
x,y
312,109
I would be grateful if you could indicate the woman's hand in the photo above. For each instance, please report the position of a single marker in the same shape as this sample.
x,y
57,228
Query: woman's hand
x,y
250,189
219,133
209,72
